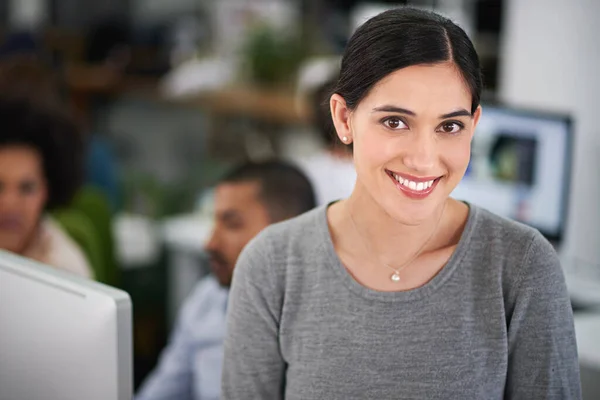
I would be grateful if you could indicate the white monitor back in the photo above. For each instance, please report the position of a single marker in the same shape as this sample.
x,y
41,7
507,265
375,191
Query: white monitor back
x,y
61,336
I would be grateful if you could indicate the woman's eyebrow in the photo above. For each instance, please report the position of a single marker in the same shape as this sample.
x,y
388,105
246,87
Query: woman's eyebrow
x,y
389,108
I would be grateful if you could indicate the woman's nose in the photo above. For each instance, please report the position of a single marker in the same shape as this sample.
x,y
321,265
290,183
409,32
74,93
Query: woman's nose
x,y
421,153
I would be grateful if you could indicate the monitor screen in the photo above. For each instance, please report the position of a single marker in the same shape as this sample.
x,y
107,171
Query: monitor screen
x,y
520,167
62,337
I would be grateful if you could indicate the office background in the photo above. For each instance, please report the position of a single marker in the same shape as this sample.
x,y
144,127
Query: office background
x,y
200,91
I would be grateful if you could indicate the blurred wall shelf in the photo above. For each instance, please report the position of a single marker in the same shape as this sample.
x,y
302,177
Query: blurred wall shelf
x,y
252,103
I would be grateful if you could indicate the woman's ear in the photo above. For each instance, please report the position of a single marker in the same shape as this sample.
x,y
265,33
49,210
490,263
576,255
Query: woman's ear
x,y
476,116
474,122
340,115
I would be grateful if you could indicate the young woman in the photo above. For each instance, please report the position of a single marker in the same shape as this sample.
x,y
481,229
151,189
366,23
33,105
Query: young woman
x,y
401,291
41,154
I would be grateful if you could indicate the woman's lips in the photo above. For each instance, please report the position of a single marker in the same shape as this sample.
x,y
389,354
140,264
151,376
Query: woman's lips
x,y
10,223
414,187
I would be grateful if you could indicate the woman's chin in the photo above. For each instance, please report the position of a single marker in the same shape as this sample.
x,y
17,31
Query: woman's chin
x,y
412,213
11,245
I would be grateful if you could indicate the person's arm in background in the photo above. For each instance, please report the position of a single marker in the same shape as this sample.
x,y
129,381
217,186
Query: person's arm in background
x,y
173,376
542,361
253,367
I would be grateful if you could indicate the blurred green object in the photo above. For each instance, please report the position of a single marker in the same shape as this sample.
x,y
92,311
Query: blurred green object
x,y
96,206
145,194
89,221
81,229
272,58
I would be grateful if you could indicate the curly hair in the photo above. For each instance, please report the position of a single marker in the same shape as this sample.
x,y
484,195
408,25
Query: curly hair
x,y
54,135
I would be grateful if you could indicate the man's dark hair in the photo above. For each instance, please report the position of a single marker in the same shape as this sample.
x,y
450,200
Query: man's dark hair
x,y
284,189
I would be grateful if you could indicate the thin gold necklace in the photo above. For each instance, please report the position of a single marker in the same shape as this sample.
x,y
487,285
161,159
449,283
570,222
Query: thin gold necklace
x,y
395,277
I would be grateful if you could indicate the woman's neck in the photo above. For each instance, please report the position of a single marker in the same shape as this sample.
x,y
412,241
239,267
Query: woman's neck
x,y
36,246
392,241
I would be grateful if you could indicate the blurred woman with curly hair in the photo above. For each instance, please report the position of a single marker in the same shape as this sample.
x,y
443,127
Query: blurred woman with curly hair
x,y
41,153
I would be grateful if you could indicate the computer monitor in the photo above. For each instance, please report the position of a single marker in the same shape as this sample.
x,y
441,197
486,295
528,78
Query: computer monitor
x,y
520,167
62,337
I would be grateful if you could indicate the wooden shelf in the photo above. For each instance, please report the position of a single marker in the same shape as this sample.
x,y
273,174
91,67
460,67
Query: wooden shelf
x,y
251,103
264,105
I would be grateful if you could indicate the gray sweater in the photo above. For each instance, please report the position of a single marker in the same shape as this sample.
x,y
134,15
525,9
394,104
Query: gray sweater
x,y
495,322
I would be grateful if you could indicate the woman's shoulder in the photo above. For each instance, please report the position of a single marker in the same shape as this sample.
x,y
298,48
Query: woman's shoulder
x,y
508,258
494,230
303,231
63,252
519,247
288,243
299,226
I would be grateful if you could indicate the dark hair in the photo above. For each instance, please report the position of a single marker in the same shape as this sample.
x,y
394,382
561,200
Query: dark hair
x,y
284,190
400,38
54,135
105,36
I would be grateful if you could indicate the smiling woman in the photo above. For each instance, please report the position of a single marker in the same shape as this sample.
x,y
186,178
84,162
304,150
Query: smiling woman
x,y
416,123
400,291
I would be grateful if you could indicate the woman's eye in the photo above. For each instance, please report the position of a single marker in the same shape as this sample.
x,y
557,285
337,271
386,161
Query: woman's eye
x,y
394,123
451,127
28,188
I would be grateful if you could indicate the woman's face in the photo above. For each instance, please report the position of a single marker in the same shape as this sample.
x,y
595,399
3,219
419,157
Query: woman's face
x,y
23,195
412,137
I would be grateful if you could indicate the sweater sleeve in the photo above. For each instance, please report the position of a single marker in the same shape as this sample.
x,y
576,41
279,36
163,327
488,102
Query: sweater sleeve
x,y
542,360
253,366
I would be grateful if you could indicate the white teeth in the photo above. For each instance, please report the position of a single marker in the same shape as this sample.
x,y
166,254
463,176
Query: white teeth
x,y
417,186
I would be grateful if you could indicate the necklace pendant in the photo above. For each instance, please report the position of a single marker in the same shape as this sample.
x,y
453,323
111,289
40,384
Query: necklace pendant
x,y
395,277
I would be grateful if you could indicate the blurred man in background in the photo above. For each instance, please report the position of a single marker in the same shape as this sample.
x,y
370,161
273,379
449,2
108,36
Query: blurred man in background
x,y
246,201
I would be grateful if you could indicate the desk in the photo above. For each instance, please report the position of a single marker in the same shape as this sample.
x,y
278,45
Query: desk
x,y
585,291
587,329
